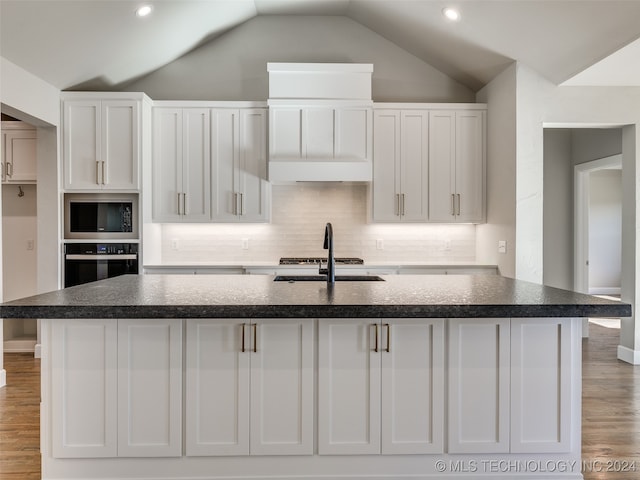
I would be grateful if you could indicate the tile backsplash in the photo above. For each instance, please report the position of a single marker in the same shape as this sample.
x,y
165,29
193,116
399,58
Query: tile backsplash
x,y
299,214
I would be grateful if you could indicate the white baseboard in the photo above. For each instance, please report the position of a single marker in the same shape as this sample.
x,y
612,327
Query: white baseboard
x,y
37,352
628,355
3,377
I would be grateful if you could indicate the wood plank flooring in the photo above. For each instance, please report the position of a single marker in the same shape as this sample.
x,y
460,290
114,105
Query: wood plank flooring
x,y
610,413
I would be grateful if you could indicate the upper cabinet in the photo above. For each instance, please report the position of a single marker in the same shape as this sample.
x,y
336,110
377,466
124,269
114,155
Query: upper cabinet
x,y
400,167
456,166
101,141
239,165
210,164
429,163
19,155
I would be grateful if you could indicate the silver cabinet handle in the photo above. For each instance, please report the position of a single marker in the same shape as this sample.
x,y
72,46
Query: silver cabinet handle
x,y
97,172
398,204
234,210
403,211
184,203
178,203
242,204
9,169
388,347
102,172
453,204
458,210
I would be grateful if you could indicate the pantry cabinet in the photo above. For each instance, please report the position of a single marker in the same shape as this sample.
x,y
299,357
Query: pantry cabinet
x,y
456,166
400,166
116,387
181,165
380,386
249,387
19,154
101,142
240,191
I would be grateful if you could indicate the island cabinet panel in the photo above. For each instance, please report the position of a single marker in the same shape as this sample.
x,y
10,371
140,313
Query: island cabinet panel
x,y
150,388
380,386
249,388
479,369
84,368
542,353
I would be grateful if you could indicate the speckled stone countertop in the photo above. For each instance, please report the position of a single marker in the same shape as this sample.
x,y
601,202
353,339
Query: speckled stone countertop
x,y
258,296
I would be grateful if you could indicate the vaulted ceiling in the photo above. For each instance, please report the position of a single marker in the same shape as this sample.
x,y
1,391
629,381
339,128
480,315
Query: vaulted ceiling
x,y
73,42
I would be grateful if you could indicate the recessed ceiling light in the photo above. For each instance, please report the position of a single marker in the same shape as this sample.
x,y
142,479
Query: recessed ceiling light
x,y
144,10
451,13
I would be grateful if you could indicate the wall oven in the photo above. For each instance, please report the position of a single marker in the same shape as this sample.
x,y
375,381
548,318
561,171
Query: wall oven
x,y
88,262
102,216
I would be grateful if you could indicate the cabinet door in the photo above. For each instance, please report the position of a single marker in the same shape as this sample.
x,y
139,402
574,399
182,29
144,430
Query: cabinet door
x,y
469,179
84,368
318,133
217,387
546,373
285,133
442,156
196,165
282,378
386,166
167,164
414,166
251,169
348,387
479,360
150,388
412,386
20,156
119,157
81,144
224,158
353,133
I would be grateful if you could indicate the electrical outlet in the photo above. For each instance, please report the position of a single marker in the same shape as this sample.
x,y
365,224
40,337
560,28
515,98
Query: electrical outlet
x,y
174,244
245,244
30,244
447,245
379,244
502,246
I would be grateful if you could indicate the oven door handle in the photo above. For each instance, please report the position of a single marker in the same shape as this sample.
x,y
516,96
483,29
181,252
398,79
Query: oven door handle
x,y
72,256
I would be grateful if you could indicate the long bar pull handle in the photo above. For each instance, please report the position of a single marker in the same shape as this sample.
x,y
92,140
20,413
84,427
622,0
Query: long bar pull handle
x,y
458,210
9,169
388,347
376,347
97,172
184,203
453,204
242,341
255,337
242,204
403,210
102,162
179,209
234,210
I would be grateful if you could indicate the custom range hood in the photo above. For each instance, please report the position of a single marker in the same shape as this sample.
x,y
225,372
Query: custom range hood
x,y
320,122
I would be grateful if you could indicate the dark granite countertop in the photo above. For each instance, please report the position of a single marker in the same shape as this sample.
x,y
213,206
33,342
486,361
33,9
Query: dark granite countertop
x,y
258,296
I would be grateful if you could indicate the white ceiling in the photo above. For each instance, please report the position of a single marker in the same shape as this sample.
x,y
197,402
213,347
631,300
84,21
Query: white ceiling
x,y
579,42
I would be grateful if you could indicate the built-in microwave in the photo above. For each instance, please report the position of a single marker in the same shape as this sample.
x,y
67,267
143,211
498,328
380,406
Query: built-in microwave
x,y
100,216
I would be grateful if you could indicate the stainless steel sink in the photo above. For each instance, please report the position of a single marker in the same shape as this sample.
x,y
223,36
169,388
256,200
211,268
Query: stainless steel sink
x,y
322,278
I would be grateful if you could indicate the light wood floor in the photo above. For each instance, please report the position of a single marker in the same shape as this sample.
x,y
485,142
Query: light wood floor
x,y
610,416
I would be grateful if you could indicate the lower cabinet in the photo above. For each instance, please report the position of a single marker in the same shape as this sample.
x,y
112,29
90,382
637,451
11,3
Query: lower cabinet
x,y
380,386
116,388
249,387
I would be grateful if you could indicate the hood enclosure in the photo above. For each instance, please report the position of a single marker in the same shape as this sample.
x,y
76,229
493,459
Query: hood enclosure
x,y
320,122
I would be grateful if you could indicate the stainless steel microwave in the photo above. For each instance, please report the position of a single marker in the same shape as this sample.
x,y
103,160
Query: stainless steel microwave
x,y
100,216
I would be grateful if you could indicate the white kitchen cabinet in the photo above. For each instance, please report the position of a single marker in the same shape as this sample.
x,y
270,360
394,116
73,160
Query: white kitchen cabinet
x,y
101,143
456,166
181,165
381,386
249,387
125,378
84,387
400,166
19,144
479,370
240,191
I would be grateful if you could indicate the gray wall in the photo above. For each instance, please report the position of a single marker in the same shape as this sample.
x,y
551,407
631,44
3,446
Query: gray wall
x,y
234,65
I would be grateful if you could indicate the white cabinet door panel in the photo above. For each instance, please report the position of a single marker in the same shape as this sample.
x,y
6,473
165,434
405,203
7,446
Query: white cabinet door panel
x,y
442,166
120,144
470,165
224,151
318,132
386,166
285,133
414,165
282,380
353,133
542,384
217,388
20,156
196,164
412,386
251,167
479,385
348,387
150,388
167,164
84,368
81,144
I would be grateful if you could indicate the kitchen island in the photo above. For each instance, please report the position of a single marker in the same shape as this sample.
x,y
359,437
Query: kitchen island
x,y
238,376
